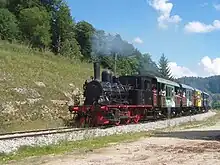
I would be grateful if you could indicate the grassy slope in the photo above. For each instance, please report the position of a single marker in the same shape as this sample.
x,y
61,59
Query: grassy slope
x,y
21,67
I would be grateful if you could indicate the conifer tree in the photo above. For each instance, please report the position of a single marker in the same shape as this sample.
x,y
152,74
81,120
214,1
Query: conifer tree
x,y
164,68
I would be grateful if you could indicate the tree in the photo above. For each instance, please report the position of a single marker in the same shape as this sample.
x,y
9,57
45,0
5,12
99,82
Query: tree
x,y
3,3
35,25
124,65
70,48
63,29
8,25
146,65
164,69
15,6
84,32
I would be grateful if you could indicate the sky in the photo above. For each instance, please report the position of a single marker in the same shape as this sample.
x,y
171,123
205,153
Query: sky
x,y
186,31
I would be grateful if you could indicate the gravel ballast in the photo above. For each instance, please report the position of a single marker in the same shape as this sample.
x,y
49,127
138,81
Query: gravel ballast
x,y
11,145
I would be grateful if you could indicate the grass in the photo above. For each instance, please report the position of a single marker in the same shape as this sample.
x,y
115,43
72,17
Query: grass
x,y
100,142
66,147
21,67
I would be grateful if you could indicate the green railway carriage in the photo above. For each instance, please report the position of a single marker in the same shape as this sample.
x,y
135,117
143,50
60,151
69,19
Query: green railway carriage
x,y
169,93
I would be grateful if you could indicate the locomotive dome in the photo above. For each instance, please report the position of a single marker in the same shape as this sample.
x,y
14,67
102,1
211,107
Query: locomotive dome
x,y
106,76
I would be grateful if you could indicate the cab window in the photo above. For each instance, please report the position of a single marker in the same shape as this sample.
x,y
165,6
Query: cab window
x,y
147,85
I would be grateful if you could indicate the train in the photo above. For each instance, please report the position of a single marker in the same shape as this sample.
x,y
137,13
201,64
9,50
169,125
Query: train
x,y
118,100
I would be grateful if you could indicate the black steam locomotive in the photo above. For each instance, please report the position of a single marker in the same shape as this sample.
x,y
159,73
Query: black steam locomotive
x,y
108,91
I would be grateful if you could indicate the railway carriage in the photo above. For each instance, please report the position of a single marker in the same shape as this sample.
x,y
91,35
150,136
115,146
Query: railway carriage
x,y
168,96
134,98
187,98
206,101
198,100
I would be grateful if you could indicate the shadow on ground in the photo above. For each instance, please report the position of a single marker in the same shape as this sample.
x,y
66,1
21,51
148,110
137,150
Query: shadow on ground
x,y
192,135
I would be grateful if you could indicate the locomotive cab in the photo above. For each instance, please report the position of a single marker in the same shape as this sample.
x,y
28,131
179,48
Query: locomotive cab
x,y
141,92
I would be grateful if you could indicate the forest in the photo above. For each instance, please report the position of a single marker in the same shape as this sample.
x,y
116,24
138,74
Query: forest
x,y
209,84
48,25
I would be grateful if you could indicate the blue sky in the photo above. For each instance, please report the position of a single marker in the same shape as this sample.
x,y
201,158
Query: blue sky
x,y
181,29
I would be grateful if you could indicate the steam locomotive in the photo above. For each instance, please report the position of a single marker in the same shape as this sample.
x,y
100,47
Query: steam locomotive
x,y
135,98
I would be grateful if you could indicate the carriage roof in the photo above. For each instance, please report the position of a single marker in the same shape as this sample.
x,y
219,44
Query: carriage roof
x,y
187,86
165,81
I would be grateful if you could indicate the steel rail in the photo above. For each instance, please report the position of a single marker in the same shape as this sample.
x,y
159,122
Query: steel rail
x,y
30,131
34,133
41,132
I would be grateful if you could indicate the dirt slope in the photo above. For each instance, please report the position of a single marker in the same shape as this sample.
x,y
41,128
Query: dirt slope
x,y
35,86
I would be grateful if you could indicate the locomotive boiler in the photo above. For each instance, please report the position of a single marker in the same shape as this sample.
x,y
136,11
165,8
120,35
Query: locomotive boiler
x,y
105,100
105,91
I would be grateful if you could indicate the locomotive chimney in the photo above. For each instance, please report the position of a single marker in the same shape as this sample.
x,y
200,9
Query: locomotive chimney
x,y
96,67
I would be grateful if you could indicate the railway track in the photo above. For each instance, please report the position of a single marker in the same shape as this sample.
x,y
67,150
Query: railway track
x,y
10,142
32,133
41,132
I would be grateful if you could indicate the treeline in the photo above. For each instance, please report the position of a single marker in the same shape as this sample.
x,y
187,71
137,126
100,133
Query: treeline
x,y
48,25
210,85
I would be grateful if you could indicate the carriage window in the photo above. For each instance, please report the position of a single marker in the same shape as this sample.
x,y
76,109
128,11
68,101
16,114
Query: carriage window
x,y
169,92
190,94
187,93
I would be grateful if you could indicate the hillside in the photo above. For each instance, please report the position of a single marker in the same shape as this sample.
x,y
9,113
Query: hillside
x,y
209,84
36,84
34,87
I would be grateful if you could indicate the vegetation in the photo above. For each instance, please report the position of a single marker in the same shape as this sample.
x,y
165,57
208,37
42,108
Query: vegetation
x,y
48,25
78,146
164,69
24,103
209,84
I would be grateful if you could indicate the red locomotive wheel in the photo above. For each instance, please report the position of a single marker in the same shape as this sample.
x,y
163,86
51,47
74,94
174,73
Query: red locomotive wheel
x,y
117,123
128,120
82,121
137,118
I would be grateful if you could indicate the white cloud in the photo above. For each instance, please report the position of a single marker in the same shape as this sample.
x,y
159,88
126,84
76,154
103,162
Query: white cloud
x,y
199,27
210,66
138,40
180,71
217,6
206,67
204,4
164,7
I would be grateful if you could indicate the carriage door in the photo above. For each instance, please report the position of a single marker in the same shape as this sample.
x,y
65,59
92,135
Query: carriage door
x,y
147,92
